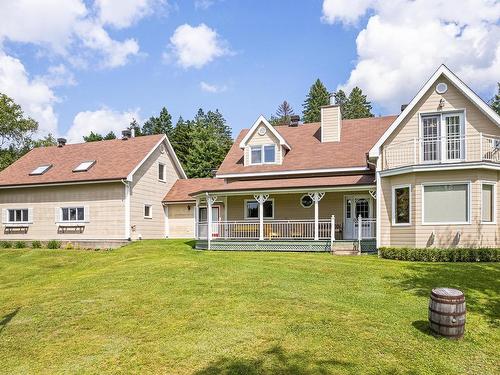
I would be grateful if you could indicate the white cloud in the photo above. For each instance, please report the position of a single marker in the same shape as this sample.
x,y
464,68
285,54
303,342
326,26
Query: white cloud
x,y
101,121
404,41
196,46
34,96
70,29
57,75
203,4
124,13
214,89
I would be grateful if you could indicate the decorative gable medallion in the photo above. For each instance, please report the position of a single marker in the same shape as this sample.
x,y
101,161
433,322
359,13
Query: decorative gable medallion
x,y
262,130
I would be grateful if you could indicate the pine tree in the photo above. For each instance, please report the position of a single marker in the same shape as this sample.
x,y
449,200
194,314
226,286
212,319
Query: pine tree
x,y
495,101
110,135
318,96
283,114
357,106
340,99
159,125
92,137
211,140
182,139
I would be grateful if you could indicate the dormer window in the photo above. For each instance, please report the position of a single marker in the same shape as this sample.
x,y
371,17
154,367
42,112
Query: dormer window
x,y
263,154
85,166
40,170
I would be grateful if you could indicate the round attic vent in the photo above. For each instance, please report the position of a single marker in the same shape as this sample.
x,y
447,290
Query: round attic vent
x,y
441,88
262,130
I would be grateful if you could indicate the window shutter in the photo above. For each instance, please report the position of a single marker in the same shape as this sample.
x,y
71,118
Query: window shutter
x,y
57,217
5,215
30,215
86,214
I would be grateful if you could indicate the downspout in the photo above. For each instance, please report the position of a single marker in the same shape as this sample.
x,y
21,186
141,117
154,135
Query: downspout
x,y
126,202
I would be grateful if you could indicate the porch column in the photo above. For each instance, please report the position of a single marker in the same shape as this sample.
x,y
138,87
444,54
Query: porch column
x,y
210,200
316,197
261,198
197,219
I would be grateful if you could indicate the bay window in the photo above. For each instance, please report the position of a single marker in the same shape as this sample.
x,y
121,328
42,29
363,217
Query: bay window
x,y
488,203
446,203
401,205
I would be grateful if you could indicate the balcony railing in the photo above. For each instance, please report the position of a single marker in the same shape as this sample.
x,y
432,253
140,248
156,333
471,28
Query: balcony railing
x,y
449,149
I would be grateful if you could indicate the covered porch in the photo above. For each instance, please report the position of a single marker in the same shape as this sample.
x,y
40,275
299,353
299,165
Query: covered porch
x,y
307,219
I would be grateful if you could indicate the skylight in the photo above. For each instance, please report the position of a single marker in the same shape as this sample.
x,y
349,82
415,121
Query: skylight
x,y
85,166
40,170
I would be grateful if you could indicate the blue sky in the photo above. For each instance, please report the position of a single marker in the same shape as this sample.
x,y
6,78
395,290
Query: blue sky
x,y
241,57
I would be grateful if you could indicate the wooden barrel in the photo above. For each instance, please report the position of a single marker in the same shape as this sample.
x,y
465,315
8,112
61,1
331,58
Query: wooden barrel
x,y
447,312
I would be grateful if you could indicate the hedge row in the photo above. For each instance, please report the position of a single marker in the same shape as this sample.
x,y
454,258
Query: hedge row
x,y
441,255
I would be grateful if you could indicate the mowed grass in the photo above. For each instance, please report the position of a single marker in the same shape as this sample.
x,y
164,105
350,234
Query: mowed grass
x,y
162,307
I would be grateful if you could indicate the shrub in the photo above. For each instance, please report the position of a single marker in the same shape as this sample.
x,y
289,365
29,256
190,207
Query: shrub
x,y
20,244
441,255
36,244
53,244
5,244
69,246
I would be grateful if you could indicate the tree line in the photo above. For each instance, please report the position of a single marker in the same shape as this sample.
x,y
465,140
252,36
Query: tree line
x,y
200,144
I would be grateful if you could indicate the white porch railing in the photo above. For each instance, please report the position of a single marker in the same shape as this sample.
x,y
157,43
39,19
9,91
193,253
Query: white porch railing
x,y
283,230
449,149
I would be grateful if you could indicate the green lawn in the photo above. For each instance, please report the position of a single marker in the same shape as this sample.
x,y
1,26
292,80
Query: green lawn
x,y
162,307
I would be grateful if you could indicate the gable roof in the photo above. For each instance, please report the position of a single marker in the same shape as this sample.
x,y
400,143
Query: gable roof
x,y
458,83
114,160
272,129
308,154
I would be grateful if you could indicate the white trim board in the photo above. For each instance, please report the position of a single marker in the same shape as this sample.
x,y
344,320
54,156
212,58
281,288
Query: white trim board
x,y
251,131
298,172
440,167
459,84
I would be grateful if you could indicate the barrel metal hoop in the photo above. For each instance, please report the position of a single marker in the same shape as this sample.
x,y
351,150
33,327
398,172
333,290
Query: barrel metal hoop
x,y
447,325
448,313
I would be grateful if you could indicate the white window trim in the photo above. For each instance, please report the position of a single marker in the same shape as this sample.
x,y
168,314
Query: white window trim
x,y
462,112
256,218
469,202
300,201
393,219
150,211
494,202
162,165
262,155
18,222
61,221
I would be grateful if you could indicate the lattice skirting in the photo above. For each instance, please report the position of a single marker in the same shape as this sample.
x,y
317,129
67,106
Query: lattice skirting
x,y
367,246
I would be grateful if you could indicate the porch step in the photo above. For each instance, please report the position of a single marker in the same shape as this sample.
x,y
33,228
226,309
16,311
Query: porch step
x,y
345,248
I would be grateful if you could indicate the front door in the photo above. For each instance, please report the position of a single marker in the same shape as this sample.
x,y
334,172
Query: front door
x,y
354,206
203,217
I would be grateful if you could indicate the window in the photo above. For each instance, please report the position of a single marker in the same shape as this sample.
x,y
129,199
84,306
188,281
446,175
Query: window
x,y
306,201
269,154
256,157
401,207
18,215
265,154
488,203
161,172
40,170
252,209
69,214
85,166
148,211
446,204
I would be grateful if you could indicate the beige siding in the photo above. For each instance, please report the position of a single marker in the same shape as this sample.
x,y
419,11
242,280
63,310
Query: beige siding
x,y
146,188
105,202
474,234
330,123
475,121
181,220
266,139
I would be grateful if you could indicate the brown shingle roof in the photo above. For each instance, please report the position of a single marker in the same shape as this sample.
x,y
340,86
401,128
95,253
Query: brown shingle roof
x,y
115,159
184,190
181,190
308,152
